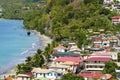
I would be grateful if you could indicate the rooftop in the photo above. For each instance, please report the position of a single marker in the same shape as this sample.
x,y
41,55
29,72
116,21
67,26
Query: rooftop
x,y
91,74
116,17
98,59
65,59
36,70
8,78
58,66
58,47
26,75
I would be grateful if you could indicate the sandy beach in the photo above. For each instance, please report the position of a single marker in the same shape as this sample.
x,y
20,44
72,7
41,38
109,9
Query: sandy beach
x,y
44,40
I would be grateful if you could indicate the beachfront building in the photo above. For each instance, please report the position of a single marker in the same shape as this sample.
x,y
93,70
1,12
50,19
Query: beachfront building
x,y
46,73
27,76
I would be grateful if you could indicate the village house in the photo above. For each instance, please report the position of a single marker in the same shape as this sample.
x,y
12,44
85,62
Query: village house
x,y
97,40
59,49
27,76
8,78
116,19
73,62
70,44
116,6
113,41
95,75
90,75
108,1
96,62
46,73
63,69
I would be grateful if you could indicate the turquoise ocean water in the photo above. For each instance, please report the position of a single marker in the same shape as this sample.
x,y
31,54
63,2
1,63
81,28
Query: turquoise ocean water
x,y
15,44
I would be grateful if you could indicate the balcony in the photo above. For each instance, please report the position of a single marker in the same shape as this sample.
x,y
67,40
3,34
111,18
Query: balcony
x,y
94,69
94,64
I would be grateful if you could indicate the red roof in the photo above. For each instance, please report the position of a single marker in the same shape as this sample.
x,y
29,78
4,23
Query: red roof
x,y
91,74
98,59
99,38
8,78
72,59
30,74
116,17
58,47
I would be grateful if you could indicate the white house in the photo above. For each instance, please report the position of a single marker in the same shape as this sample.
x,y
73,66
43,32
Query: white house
x,y
59,49
108,1
46,73
59,68
27,76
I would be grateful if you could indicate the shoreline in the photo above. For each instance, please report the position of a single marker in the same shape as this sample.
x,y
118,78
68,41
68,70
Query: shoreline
x,y
41,43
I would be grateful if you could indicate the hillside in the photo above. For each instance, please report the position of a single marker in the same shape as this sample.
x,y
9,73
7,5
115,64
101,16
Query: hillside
x,y
17,9
71,19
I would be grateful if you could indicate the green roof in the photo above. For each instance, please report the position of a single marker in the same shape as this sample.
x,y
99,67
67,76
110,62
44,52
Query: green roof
x,y
66,53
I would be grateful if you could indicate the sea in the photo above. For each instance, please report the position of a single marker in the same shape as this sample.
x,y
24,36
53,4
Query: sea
x,y
15,44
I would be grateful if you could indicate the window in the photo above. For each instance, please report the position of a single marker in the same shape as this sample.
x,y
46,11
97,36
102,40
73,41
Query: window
x,y
54,74
40,73
101,66
51,74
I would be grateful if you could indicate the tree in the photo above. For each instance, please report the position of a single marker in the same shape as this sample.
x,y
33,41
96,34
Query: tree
x,y
110,67
37,60
118,57
71,76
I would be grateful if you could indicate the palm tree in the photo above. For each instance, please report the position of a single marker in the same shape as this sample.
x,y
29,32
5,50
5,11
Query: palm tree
x,y
29,58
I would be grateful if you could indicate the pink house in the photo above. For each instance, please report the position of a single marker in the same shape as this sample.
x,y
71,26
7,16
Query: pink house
x,y
116,19
73,62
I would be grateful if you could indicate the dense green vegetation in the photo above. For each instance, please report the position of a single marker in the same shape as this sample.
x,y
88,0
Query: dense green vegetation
x,y
71,19
110,69
61,19
119,57
18,9
71,76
